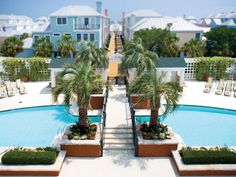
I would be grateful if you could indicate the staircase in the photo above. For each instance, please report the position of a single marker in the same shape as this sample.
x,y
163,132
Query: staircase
x,y
118,133
118,138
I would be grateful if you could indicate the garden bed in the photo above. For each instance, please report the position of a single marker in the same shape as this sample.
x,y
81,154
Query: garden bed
x,y
141,105
34,170
156,148
202,169
97,100
80,148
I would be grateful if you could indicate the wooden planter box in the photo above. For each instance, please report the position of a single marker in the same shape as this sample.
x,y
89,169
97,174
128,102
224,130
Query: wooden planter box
x,y
81,148
156,148
97,100
34,170
202,170
140,105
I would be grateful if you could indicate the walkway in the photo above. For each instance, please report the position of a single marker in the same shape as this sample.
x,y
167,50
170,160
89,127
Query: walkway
x,y
118,132
115,43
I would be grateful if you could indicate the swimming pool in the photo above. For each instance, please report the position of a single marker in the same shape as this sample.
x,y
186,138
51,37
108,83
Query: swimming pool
x,y
201,126
35,127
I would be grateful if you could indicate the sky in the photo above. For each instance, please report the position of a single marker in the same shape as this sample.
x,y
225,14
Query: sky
x,y
197,8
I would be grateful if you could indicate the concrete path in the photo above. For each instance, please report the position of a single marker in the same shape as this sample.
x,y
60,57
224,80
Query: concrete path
x,y
118,113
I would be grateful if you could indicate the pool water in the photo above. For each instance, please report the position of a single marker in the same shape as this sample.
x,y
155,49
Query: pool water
x,y
35,127
201,126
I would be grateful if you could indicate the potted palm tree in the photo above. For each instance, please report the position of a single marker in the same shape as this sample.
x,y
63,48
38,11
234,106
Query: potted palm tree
x,y
136,59
149,85
96,57
77,82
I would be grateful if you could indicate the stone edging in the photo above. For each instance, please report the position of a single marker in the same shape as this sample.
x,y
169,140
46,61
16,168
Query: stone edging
x,y
197,170
34,170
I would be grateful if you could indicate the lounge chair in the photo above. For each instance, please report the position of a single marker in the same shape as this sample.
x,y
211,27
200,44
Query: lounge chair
x,y
20,86
220,87
228,88
234,86
208,85
10,90
3,91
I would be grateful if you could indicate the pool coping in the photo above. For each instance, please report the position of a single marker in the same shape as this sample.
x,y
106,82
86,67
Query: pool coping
x,y
196,170
34,170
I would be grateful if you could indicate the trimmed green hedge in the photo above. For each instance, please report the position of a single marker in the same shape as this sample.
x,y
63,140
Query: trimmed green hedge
x,y
35,68
26,157
213,67
203,155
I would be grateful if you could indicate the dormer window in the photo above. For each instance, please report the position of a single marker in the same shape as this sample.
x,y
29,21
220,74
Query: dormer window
x,y
61,21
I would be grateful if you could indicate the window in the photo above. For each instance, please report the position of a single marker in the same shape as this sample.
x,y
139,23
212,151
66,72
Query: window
x,y
78,37
85,37
61,21
92,37
67,34
36,38
47,39
56,34
197,36
86,21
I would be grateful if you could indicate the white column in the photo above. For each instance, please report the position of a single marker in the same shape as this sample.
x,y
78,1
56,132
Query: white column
x,y
53,78
181,79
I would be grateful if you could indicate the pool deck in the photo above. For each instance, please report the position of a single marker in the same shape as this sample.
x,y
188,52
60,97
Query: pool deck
x,y
117,163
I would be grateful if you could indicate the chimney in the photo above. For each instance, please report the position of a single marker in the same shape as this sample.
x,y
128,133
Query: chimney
x,y
99,6
106,12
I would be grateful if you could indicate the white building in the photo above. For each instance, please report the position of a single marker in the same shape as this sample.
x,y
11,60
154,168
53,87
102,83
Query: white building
x,y
183,29
130,19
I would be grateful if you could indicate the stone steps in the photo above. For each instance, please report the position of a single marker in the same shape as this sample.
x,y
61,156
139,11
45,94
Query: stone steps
x,y
118,147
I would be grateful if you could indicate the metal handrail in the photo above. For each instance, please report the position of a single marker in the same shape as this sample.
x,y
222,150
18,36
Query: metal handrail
x,y
134,127
103,123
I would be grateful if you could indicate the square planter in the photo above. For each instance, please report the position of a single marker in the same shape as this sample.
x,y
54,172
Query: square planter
x,y
141,105
80,148
156,148
97,100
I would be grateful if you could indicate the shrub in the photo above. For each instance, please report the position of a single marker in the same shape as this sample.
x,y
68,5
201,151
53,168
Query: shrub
x,y
79,133
20,156
203,155
160,132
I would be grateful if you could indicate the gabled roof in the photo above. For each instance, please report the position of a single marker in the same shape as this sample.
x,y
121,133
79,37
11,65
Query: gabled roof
x,y
178,24
171,62
216,21
143,13
229,22
76,10
60,62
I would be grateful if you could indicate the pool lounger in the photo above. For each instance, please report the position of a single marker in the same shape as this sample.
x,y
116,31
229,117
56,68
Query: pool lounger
x,y
3,92
220,87
208,85
20,86
10,90
228,88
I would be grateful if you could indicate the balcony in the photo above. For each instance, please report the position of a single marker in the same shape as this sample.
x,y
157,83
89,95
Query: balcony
x,y
86,27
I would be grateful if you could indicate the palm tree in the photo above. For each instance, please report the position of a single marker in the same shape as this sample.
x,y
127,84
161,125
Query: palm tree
x,y
194,48
11,46
43,48
89,53
149,85
136,56
77,82
66,46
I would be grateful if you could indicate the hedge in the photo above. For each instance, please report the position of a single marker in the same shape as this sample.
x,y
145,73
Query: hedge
x,y
213,67
35,68
24,157
208,156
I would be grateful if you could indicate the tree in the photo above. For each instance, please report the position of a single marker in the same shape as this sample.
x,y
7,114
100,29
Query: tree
x,y
89,53
77,82
149,85
194,48
66,46
24,36
160,41
136,56
221,42
11,46
43,48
